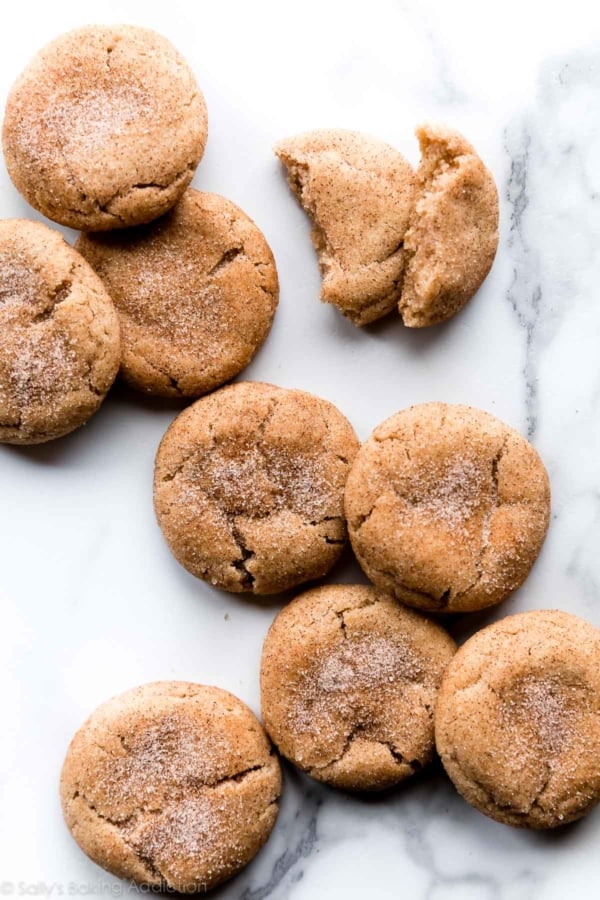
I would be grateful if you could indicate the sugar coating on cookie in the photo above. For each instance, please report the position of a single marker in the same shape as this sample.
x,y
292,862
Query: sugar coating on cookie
x,y
349,679
517,722
447,507
359,193
248,487
171,785
104,128
196,293
453,234
60,348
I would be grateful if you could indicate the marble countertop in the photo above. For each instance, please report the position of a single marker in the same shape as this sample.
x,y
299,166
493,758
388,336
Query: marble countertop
x,y
92,601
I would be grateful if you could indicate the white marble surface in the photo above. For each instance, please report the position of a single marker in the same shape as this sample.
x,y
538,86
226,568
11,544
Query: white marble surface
x,y
92,602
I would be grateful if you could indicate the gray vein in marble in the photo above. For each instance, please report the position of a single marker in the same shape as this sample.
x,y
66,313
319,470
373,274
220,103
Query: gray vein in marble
x,y
524,292
487,887
552,192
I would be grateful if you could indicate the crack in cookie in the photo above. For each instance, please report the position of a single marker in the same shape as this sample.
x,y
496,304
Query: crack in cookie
x,y
518,719
349,679
173,785
196,293
249,487
98,93
60,349
447,507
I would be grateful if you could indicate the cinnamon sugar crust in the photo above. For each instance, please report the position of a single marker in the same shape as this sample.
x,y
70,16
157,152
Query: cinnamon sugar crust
x,y
359,193
248,487
172,785
104,128
452,237
447,507
196,292
386,236
517,722
60,344
349,679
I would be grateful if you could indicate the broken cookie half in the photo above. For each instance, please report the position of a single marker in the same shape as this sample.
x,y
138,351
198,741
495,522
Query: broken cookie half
x,y
453,234
388,237
359,193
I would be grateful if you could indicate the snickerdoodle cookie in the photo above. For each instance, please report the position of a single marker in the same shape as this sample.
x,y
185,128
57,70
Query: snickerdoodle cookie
x,y
248,487
104,128
388,237
196,292
447,507
359,193
59,352
453,234
171,785
349,679
517,722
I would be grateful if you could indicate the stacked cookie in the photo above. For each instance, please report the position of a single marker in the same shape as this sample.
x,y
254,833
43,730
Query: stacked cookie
x,y
257,489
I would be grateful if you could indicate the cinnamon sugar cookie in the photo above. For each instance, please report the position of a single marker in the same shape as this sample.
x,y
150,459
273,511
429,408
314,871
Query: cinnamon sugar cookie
x,y
196,292
388,237
517,722
359,192
349,679
453,234
104,128
171,785
447,507
248,487
59,352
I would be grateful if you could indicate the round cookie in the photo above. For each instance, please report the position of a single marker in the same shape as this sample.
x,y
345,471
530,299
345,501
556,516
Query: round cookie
x,y
248,487
171,785
359,193
452,239
60,348
447,507
196,293
517,722
104,128
349,679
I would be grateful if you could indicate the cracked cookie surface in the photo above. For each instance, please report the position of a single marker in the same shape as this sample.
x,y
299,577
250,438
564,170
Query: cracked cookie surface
x,y
517,722
447,507
248,487
349,679
172,785
196,292
452,239
60,335
359,193
104,128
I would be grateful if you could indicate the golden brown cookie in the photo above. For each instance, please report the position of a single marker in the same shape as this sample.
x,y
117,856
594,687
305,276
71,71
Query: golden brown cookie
x,y
349,679
453,234
171,785
59,351
104,128
447,507
517,722
196,292
359,193
248,487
